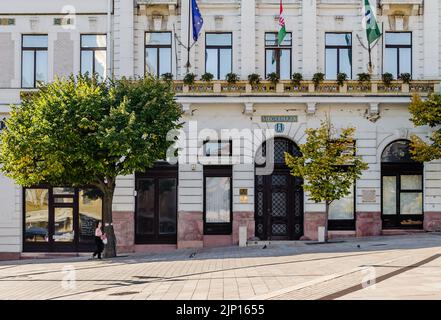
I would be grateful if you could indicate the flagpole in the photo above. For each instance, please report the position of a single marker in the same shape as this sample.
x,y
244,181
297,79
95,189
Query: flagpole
x,y
188,42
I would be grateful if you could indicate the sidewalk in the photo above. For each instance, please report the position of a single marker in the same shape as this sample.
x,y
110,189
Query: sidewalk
x,y
281,271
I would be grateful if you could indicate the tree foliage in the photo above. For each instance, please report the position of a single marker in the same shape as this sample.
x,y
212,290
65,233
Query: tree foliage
x,y
427,112
328,163
82,131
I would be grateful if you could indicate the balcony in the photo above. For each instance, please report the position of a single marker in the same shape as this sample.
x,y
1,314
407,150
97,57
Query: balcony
x,y
306,88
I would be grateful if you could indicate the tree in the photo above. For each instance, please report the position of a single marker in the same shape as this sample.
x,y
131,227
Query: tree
x,y
82,131
328,164
426,112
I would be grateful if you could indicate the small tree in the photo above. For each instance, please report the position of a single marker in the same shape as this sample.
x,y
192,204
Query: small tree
x,y
328,164
428,113
81,132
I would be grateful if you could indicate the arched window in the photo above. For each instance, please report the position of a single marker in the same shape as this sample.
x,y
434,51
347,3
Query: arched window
x,y
397,152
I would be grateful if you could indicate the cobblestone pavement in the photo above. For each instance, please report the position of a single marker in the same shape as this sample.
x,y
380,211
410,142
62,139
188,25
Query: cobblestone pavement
x,y
393,267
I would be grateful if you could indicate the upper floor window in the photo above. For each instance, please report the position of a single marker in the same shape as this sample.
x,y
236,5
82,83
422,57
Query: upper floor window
x,y
338,50
398,54
34,60
158,53
218,54
93,54
278,58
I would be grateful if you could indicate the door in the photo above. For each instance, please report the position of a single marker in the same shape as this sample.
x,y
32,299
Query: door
x,y
279,199
401,188
156,206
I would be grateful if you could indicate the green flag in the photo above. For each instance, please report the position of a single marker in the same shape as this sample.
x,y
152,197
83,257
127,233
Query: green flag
x,y
372,29
282,30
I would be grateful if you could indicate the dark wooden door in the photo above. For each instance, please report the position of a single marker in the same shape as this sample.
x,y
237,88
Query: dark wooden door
x,y
279,207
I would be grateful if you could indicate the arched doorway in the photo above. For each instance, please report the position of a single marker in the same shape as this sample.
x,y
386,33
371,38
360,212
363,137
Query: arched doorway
x,y
279,198
401,187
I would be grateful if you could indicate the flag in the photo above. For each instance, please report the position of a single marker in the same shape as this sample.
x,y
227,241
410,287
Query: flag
x,y
372,29
282,29
197,20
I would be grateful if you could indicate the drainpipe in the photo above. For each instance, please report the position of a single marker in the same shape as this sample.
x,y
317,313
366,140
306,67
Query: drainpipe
x,y
109,39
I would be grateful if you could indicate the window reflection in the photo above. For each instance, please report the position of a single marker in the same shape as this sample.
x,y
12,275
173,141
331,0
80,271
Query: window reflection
x,y
218,54
343,209
389,195
411,203
36,215
90,212
63,225
93,54
338,50
167,206
146,207
34,63
217,193
398,53
158,53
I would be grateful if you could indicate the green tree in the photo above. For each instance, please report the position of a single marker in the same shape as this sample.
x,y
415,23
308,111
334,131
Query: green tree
x,y
328,164
82,131
427,112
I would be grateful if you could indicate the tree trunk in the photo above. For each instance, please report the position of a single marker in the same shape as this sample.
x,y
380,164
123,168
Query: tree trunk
x,y
110,247
326,220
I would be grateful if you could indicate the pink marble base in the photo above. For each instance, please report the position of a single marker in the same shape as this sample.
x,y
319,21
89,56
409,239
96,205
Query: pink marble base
x,y
312,220
124,226
243,218
368,224
432,221
154,248
9,256
212,241
190,229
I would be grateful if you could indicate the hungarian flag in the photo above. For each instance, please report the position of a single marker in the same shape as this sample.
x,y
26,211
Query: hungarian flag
x,y
372,29
282,29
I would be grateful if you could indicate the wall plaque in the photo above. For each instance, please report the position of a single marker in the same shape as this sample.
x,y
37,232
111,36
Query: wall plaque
x,y
279,118
368,195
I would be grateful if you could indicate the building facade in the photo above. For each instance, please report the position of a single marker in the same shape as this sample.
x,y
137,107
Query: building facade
x,y
217,187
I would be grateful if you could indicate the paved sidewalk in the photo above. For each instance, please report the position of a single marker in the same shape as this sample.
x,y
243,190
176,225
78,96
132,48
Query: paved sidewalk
x,y
402,267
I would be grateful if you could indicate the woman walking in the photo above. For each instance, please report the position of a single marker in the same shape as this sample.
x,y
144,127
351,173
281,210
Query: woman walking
x,y
99,244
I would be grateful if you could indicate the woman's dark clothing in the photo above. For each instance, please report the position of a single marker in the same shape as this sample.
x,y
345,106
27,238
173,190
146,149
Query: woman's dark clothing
x,y
99,247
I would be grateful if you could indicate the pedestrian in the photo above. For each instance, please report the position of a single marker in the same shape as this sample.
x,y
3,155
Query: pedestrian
x,y
99,237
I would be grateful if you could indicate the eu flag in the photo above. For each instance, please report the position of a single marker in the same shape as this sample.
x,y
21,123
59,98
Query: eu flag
x,y
197,20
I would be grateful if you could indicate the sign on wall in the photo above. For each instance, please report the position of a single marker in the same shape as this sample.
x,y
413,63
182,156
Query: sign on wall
x,y
279,118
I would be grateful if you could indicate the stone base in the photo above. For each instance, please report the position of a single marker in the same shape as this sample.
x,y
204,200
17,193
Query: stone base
x,y
368,224
340,234
9,256
243,218
190,229
124,226
432,221
312,220
212,241
154,248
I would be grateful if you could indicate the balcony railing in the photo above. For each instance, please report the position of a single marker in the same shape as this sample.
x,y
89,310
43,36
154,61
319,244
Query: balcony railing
x,y
223,88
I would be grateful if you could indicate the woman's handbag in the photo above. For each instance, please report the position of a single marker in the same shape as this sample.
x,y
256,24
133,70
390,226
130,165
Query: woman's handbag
x,y
104,238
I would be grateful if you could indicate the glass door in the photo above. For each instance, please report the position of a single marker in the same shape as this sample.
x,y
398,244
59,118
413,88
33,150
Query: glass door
x,y
62,218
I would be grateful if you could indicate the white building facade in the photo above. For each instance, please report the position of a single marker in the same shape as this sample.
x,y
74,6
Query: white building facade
x,y
199,202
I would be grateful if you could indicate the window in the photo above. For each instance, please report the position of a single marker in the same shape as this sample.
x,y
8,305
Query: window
x,y
93,54
217,148
338,54
398,55
342,212
218,54
217,199
158,53
278,58
34,60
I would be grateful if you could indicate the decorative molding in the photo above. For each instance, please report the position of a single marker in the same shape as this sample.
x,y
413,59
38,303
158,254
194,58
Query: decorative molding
x,y
248,108
311,107
186,108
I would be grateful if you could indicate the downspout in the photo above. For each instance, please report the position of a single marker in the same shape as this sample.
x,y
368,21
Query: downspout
x,y
109,39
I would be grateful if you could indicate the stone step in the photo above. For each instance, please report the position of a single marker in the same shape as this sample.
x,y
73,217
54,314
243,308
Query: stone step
x,y
399,232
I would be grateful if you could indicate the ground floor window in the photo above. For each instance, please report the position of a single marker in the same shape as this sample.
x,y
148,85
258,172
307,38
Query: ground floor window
x,y
217,199
156,205
60,218
342,212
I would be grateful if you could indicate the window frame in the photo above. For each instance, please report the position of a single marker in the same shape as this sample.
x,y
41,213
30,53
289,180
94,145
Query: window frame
x,y
345,224
218,48
338,48
277,48
398,47
220,228
219,141
161,170
34,50
93,49
158,47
